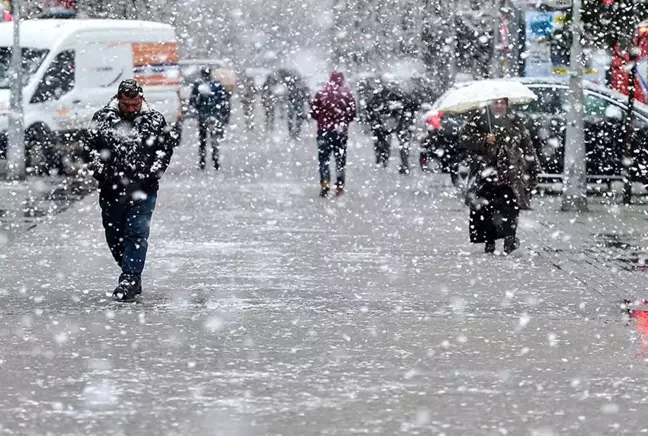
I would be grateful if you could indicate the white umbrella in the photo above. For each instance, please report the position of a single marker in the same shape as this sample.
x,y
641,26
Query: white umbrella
x,y
481,93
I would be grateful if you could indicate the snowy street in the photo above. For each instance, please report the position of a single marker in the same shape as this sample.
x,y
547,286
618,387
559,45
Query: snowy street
x,y
267,310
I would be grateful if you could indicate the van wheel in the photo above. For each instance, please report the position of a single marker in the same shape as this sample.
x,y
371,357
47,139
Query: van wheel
x,y
39,150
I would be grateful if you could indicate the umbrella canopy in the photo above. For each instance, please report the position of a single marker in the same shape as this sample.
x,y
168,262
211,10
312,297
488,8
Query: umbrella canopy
x,y
480,93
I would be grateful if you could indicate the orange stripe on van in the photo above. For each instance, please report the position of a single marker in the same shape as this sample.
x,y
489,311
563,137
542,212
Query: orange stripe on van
x,y
155,53
157,80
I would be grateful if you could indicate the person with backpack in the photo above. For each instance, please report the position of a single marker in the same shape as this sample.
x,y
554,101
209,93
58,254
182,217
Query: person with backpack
x,y
507,169
212,103
333,108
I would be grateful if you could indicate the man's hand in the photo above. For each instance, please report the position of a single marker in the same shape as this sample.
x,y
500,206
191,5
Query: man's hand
x,y
491,139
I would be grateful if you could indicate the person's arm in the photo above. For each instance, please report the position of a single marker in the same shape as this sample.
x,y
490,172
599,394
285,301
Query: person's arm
x,y
225,102
352,112
315,106
163,149
533,167
193,98
97,143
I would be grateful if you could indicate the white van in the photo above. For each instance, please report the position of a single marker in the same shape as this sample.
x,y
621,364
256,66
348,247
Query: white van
x,y
72,68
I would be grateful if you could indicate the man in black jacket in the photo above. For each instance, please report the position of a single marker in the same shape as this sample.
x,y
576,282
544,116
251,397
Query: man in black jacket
x,y
391,111
130,147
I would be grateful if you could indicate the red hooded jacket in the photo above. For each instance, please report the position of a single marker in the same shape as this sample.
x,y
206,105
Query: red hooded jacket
x,y
333,107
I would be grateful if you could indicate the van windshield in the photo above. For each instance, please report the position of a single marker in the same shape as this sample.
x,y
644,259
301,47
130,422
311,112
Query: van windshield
x,y
31,60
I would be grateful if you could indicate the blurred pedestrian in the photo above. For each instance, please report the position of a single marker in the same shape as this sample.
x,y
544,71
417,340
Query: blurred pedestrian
x,y
130,147
248,93
297,99
390,111
506,171
213,106
334,109
269,101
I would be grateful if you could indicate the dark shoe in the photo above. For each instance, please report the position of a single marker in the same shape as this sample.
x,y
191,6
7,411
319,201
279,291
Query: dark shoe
x,y
216,164
511,244
324,188
403,170
127,290
490,247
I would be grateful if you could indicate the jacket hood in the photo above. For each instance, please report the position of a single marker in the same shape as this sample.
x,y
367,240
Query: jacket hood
x,y
337,78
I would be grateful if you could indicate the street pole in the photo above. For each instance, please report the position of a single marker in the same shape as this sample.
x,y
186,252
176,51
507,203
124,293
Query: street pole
x,y
628,158
16,137
496,62
575,177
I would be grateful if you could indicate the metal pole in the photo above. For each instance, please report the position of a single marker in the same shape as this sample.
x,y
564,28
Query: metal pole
x,y
496,62
627,140
16,139
628,160
575,177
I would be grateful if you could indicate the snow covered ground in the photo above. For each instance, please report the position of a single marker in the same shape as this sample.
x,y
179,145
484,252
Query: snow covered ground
x,y
269,311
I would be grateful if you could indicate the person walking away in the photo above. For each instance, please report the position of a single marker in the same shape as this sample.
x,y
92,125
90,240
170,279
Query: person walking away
x,y
334,109
297,100
507,168
405,130
212,103
389,112
269,101
130,148
248,93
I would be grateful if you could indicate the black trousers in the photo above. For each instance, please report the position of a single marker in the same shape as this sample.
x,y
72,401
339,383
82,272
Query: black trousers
x,y
494,213
216,131
332,143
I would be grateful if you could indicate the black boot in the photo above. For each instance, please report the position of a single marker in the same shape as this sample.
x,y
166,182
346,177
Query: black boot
x,y
324,188
511,244
128,289
490,247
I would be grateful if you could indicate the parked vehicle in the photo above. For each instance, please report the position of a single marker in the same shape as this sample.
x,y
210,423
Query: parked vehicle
x,y
71,68
604,112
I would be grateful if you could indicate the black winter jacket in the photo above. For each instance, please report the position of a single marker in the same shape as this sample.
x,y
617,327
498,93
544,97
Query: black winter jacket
x,y
127,156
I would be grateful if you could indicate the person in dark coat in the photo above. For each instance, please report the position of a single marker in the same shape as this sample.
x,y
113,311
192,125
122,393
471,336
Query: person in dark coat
x,y
248,93
334,109
130,147
297,101
212,103
391,111
506,170
269,101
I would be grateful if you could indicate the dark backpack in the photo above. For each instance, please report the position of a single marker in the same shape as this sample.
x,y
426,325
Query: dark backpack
x,y
206,102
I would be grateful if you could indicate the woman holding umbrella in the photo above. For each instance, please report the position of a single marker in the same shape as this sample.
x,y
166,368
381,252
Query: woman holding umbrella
x,y
507,169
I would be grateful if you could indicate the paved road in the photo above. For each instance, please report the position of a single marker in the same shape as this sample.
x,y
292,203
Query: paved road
x,y
268,311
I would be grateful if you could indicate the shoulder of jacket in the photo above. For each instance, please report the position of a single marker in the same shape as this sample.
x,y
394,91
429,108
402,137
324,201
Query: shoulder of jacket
x,y
105,112
154,116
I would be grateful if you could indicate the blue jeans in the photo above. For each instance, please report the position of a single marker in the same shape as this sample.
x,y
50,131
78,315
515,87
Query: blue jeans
x,y
336,143
127,224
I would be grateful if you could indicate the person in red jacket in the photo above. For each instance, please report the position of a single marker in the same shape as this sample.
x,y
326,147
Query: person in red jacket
x,y
333,108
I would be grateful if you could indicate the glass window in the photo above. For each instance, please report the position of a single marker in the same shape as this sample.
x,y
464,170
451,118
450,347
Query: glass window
x,y
550,101
58,79
595,106
31,60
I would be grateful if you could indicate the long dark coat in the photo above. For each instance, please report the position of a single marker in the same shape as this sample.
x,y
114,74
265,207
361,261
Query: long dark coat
x,y
506,174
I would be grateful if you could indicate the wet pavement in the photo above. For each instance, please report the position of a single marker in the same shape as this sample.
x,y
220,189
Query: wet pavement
x,y
269,311
25,204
